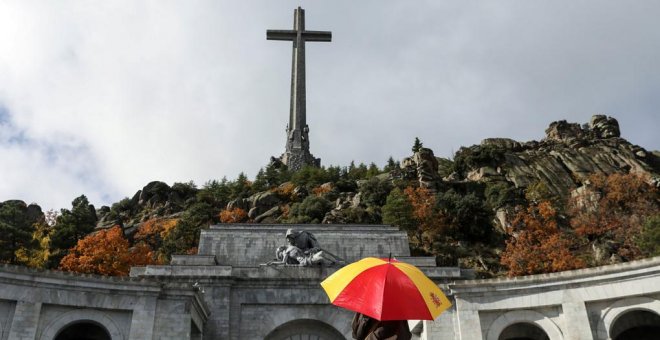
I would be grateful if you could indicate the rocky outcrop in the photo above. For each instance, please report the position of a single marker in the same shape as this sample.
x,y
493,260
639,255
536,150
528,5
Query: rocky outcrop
x,y
17,210
156,199
262,202
422,166
563,160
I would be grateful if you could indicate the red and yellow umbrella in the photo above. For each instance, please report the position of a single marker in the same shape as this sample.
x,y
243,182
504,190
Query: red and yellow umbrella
x,y
385,289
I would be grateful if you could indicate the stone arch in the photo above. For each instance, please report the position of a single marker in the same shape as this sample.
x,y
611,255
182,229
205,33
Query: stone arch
x,y
304,329
617,309
636,324
524,316
523,330
82,315
83,330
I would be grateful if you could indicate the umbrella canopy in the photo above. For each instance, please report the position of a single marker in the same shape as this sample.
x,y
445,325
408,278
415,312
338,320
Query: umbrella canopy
x,y
385,289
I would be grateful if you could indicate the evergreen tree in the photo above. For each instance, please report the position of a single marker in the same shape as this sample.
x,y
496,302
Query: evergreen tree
x,y
375,191
71,226
241,188
398,211
372,171
184,237
260,182
216,193
649,240
417,145
391,165
311,210
16,228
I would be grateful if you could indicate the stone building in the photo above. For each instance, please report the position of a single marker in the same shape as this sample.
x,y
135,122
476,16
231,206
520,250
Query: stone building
x,y
224,292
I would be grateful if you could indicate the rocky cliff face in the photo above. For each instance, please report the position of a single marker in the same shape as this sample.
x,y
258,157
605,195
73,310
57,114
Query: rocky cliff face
x,y
562,160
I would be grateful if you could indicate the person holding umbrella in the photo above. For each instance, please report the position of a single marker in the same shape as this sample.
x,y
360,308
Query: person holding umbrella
x,y
384,293
366,328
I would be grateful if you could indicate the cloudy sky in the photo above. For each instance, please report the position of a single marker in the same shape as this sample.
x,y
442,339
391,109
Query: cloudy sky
x,y
102,97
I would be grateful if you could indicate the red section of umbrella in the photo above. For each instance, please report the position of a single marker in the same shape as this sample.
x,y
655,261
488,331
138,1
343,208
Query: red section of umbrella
x,y
385,293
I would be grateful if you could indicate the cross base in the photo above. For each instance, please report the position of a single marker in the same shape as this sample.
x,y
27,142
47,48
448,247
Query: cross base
x,y
298,159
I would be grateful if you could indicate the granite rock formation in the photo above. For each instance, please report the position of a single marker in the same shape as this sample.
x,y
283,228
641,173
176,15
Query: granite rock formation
x,y
563,160
422,166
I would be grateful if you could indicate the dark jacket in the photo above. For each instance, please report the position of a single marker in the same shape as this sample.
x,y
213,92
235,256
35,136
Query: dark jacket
x,y
366,328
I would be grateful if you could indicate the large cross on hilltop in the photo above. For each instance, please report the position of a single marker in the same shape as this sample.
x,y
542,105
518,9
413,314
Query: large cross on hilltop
x,y
297,152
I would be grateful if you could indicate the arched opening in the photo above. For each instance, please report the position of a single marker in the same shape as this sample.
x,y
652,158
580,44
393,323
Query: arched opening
x,y
305,329
523,331
637,325
84,330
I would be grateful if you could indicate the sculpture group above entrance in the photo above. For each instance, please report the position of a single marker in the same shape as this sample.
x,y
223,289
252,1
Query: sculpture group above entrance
x,y
303,250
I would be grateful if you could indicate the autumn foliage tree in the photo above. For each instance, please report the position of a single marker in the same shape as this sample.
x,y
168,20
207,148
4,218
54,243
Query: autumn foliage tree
x,y
537,244
234,215
430,222
153,231
613,209
106,252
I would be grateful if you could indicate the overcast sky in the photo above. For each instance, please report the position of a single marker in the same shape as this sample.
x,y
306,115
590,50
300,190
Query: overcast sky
x,y
102,97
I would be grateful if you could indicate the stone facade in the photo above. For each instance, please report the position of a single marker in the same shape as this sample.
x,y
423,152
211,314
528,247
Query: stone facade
x,y
224,293
42,304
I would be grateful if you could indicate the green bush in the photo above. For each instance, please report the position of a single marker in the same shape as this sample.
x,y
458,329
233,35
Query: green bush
x,y
311,210
185,235
374,191
499,194
477,156
469,217
216,193
311,177
649,240
398,211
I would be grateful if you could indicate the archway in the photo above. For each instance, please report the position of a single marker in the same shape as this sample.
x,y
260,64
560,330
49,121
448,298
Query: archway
x,y
84,330
78,319
636,325
523,331
305,329
523,324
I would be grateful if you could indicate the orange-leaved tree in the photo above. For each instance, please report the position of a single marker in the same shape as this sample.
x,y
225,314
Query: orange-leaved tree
x,y
430,222
154,230
613,208
106,252
234,215
536,243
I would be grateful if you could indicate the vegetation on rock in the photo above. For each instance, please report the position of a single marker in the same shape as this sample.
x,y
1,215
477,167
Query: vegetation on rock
x,y
582,196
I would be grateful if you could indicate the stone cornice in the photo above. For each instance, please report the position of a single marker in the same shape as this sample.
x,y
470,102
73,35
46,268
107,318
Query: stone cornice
x,y
580,277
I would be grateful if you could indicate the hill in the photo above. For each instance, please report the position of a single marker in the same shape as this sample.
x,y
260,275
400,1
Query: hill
x,y
480,210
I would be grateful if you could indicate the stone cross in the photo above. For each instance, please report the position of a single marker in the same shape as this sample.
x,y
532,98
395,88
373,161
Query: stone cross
x,y
297,146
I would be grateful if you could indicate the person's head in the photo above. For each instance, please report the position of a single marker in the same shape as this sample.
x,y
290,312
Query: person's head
x,y
279,253
291,235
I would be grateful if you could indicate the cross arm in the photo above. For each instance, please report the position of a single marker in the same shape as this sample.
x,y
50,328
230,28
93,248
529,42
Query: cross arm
x,y
317,35
280,35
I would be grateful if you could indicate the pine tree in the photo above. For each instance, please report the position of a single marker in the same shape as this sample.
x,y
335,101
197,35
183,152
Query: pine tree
x,y
417,145
398,211
71,226
16,228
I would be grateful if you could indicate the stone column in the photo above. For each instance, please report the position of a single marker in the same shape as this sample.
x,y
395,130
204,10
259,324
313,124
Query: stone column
x,y
25,321
142,323
469,325
576,321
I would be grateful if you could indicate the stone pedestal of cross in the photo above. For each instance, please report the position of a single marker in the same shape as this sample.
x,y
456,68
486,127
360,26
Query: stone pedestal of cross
x,y
297,152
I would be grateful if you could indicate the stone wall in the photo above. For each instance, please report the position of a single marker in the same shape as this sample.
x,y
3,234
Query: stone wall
x,y
580,304
199,297
39,304
252,244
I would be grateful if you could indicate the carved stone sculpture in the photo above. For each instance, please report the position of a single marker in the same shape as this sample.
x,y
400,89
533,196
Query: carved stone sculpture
x,y
303,250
